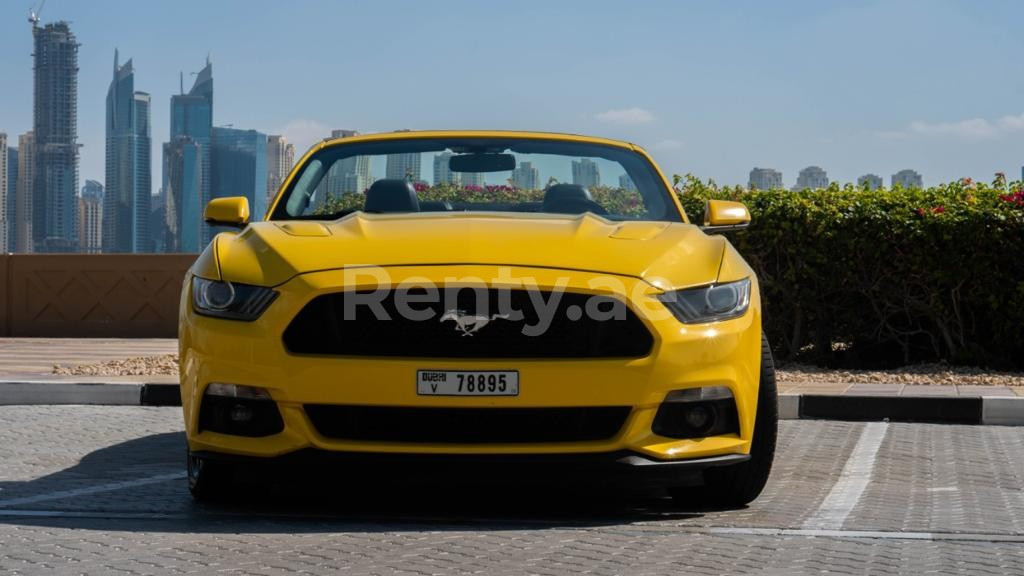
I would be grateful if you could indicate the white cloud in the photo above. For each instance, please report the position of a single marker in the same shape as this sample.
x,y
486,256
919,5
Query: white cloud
x,y
969,129
667,144
626,116
974,128
1011,123
303,133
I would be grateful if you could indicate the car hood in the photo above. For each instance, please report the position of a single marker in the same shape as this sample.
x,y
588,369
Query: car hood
x,y
667,255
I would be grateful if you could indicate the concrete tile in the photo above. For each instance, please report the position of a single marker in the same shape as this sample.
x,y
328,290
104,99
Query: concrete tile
x,y
943,391
874,390
985,391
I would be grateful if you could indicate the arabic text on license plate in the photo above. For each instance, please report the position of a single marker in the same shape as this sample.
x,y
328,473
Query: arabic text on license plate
x,y
467,383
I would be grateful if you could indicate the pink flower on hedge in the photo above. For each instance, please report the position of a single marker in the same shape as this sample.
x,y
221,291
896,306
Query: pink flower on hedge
x,y
939,209
1017,198
921,212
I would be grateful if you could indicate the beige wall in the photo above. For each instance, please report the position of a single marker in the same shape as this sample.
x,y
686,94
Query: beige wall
x,y
91,295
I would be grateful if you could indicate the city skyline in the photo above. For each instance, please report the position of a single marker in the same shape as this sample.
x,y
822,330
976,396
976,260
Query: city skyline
x,y
954,132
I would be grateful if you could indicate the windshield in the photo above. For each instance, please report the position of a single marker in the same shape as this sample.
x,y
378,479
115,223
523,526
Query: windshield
x,y
517,175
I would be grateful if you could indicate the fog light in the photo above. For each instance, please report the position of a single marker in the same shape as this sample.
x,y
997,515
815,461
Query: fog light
x,y
240,413
239,410
697,413
698,417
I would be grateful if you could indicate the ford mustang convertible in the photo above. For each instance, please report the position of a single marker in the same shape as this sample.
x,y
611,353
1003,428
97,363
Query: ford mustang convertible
x,y
501,304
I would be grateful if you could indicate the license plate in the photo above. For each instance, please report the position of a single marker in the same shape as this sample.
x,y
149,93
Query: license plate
x,y
467,383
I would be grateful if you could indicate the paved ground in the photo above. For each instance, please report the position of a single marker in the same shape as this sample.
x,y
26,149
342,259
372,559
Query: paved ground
x,y
100,490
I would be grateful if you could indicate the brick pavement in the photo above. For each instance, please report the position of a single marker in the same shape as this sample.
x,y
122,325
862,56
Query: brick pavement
x,y
941,499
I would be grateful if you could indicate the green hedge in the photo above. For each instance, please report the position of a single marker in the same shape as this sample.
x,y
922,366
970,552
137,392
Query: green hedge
x,y
870,278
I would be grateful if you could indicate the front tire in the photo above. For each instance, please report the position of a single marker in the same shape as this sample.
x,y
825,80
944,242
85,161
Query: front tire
x,y
740,484
208,480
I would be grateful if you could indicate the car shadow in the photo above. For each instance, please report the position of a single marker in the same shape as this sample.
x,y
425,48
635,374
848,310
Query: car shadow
x,y
139,485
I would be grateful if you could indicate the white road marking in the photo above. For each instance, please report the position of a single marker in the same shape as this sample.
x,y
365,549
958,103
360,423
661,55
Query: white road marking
x,y
852,481
411,523
875,534
92,489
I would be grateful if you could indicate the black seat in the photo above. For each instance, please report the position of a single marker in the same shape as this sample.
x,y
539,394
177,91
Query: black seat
x,y
570,199
391,195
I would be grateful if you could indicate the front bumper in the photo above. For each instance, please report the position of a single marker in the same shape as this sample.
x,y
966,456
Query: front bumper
x,y
683,356
600,467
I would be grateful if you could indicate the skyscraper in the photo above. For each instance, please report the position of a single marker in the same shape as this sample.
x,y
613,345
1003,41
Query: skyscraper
x,y
907,179
91,210
12,199
585,173
765,179
871,181
158,222
471,178
626,183
811,177
126,203
191,129
4,192
348,175
55,131
404,166
526,176
442,173
183,195
280,156
26,191
240,167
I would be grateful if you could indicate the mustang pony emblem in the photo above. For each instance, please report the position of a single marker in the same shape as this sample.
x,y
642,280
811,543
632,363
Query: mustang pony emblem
x,y
469,323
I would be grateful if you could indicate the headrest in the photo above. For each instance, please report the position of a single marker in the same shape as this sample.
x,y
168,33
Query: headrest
x,y
391,195
566,193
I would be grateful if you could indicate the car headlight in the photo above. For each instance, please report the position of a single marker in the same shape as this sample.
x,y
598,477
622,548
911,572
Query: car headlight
x,y
709,303
229,300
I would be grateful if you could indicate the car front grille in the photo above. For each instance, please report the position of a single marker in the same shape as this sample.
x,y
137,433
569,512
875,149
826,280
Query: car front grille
x,y
467,425
332,325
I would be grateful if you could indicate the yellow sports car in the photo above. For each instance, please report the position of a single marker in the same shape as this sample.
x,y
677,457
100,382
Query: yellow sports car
x,y
509,303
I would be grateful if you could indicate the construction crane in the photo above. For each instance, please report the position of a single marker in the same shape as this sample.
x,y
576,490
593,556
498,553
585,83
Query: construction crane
x,y
33,12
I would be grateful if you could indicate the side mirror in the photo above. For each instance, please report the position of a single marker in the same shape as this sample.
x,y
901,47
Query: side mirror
x,y
232,211
723,215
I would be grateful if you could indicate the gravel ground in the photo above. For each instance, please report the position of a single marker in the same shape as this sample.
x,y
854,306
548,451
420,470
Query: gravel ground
x,y
927,374
933,374
166,364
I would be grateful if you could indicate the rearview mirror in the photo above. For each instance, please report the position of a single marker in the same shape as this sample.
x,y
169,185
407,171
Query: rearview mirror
x,y
231,211
724,215
477,163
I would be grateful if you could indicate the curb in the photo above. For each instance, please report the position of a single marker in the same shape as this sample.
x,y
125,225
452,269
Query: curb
x,y
994,410
14,393
989,410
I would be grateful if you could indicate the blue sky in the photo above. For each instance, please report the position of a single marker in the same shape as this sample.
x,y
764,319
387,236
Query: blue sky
x,y
712,88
